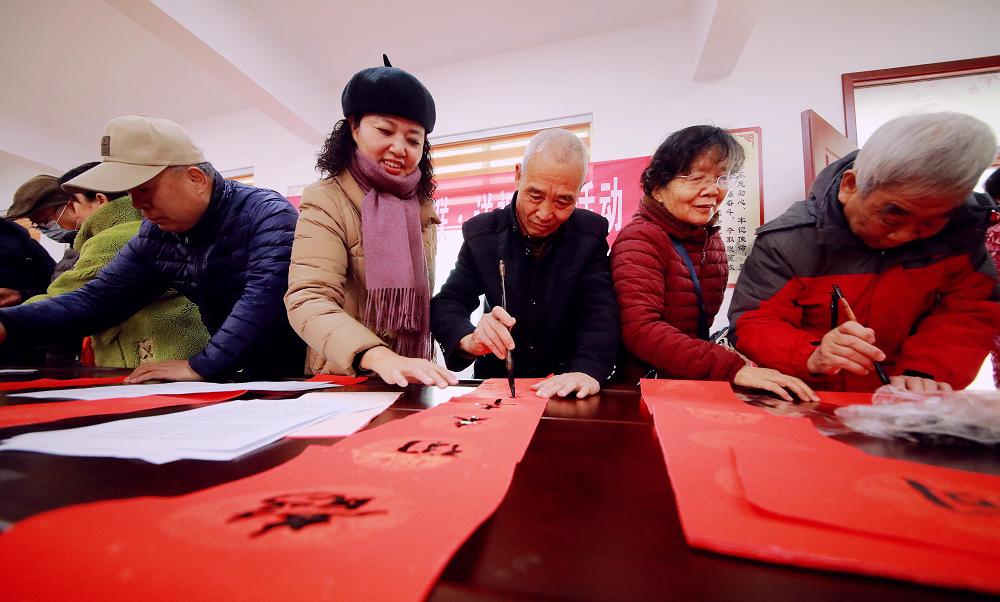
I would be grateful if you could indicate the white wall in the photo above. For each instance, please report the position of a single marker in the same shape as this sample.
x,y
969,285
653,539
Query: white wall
x,y
639,91
637,83
249,139
12,176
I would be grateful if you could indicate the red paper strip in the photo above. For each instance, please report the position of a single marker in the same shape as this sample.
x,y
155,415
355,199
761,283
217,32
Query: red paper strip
x,y
56,383
684,391
376,516
925,505
38,413
723,507
498,387
844,398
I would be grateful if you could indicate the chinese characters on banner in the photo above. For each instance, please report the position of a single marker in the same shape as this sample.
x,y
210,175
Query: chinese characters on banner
x,y
612,189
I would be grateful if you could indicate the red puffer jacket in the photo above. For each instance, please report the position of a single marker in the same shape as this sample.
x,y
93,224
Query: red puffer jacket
x,y
659,307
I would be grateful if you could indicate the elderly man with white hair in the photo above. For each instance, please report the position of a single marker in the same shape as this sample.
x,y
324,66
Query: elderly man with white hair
x,y
892,228
561,316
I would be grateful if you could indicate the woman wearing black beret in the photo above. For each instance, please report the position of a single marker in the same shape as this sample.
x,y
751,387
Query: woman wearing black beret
x,y
363,257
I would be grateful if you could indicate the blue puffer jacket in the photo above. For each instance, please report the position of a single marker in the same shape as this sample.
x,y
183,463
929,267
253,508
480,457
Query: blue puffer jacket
x,y
233,264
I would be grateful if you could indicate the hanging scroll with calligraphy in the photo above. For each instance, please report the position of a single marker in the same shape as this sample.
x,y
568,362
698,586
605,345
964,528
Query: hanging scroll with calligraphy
x,y
743,209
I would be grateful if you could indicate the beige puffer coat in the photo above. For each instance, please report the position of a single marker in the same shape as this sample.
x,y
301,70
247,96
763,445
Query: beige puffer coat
x,y
326,280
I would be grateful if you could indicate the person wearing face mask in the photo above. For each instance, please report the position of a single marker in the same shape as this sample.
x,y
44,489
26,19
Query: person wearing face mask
x,y
41,201
362,262
896,228
670,268
169,328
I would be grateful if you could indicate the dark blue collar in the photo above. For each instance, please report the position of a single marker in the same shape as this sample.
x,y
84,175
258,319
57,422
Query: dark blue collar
x,y
213,217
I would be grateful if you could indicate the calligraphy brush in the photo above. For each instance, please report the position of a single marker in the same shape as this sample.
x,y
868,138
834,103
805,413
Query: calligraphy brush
x,y
503,304
850,316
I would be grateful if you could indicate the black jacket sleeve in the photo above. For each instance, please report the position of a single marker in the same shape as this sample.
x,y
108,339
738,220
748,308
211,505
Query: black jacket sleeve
x,y
38,266
599,328
124,286
25,266
451,308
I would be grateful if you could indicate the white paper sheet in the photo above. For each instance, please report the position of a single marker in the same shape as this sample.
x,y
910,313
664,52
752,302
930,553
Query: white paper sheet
x,y
439,396
361,408
223,431
18,371
177,388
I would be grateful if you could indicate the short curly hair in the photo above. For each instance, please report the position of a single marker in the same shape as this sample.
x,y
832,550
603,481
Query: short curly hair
x,y
680,150
338,149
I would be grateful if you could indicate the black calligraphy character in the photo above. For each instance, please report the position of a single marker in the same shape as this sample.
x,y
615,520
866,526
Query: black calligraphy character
x,y
405,448
959,501
495,405
452,449
470,421
297,511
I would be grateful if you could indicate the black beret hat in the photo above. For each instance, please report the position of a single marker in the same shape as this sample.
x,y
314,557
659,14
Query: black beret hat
x,y
391,91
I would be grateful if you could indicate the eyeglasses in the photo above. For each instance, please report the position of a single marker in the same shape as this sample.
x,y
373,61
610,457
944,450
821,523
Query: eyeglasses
x,y
704,181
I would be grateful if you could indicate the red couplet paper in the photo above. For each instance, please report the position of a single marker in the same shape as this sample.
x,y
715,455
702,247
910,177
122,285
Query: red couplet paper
x,y
56,383
956,511
38,413
752,484
376,516
498,388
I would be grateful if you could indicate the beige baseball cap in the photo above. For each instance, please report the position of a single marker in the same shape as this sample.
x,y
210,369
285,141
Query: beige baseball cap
x,y
134,150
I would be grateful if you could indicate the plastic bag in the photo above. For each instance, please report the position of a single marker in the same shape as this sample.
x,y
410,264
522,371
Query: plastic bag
x,y
898,413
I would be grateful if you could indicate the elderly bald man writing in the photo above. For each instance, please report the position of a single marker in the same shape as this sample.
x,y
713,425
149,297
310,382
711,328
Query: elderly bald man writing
x,y
561,316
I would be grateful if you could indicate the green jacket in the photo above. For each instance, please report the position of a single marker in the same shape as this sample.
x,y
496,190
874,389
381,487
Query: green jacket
x,y
169,328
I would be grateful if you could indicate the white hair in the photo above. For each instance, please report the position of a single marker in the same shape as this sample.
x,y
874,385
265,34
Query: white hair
x,y
932,153
559,145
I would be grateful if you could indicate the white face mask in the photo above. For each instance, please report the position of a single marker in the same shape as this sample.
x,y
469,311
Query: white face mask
x,y
53,230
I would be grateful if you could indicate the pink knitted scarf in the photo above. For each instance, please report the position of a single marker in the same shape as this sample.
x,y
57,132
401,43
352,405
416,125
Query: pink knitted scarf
x,y
395,266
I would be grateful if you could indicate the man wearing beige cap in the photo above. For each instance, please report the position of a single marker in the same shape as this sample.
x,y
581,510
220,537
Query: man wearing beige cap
x,y
222,244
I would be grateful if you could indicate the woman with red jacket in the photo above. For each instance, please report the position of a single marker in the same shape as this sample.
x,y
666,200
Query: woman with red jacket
x,y
670,269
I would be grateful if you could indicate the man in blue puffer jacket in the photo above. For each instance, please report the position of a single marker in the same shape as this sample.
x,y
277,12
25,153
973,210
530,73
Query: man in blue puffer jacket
x,y
222,244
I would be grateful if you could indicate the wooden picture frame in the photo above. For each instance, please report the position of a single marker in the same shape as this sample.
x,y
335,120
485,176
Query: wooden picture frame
x,y
864,79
